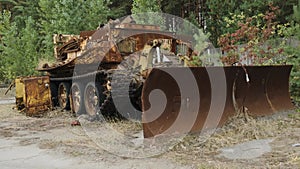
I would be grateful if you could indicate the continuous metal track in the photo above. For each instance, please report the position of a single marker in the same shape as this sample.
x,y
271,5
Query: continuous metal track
x,y
122,90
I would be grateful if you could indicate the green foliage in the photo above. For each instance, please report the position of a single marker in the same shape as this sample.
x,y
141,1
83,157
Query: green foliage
x,y
148,12
26,31
5,27
201,56
258,35
69,17
219,11
140,6
251,8
22,9
28,44
201,41
294,51
295,74
43,18
4,22
119,8
172,7
201,44
18,49
192,19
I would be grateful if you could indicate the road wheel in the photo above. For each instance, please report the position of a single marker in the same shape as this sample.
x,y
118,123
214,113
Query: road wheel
x,y
93,97
63,95
77,98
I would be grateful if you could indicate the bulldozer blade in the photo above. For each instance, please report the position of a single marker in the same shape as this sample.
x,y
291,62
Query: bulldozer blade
x,y
205,104
262,90
277,87
250,92
184,100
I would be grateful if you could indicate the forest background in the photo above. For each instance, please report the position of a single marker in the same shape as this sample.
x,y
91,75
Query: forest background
x,y
27,26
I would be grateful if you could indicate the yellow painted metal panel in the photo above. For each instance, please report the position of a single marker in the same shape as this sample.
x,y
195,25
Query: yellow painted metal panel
x,y
38,95
20,88
33,94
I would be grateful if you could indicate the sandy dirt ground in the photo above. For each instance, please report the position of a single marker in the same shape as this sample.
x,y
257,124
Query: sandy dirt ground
x,y
51,142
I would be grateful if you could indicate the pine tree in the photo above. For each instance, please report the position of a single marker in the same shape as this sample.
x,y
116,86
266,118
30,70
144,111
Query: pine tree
x,y
148,12
18,48
6,35
119,8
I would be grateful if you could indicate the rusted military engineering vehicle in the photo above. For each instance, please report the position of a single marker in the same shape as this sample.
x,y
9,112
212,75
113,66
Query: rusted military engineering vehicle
x,y
96,67
114,70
